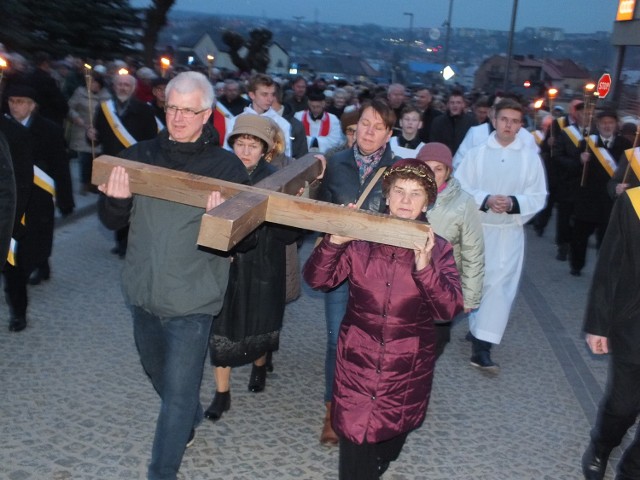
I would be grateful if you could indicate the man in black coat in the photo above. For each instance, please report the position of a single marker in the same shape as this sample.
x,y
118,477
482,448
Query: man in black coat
x,y
451,127
120,123
7,199
22,256
593,204
612,325
51,173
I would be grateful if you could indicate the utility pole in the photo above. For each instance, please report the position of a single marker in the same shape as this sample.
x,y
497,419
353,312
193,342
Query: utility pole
x,y
410,38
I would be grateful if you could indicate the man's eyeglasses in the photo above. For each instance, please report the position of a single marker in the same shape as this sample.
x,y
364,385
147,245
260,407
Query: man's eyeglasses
x,y
187,113
350,131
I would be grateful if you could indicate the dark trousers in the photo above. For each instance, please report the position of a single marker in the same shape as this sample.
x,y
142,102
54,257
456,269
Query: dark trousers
x,y
443,336
15,289
363,462
618,412
563,222
580,234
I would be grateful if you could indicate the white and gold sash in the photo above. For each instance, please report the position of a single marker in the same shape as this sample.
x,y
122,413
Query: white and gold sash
x,y
44,181
109,109
602,154
633,157
574,134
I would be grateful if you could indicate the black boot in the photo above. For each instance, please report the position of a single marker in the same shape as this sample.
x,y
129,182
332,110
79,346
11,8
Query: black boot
x,y
481,356
269,362
594,462
221,403
258,378
18,323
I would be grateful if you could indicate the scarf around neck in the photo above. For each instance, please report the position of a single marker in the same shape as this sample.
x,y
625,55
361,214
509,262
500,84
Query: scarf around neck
x,y
366,163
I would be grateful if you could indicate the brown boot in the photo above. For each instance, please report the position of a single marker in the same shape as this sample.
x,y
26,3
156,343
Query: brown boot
x,y
328,437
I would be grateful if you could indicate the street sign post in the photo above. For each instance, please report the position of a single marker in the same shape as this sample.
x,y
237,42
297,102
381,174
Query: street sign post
x,y
604,85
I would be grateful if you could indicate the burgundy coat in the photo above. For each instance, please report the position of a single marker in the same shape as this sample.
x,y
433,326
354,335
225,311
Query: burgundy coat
x,y
385,356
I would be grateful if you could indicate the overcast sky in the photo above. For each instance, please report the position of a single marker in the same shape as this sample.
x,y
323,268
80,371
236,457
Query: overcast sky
x,y
574,16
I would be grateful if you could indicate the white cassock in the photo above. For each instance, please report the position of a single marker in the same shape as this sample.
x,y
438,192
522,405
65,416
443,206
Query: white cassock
x,y
514,170
479,134
404,152
334,137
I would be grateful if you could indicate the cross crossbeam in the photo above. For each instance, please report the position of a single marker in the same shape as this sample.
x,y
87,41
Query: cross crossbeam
x,y
271,200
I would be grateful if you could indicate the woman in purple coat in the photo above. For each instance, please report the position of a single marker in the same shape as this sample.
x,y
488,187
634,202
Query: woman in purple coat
x,y
386,345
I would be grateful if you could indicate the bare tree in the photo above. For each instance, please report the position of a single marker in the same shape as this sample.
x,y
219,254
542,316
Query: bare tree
x,y
155,20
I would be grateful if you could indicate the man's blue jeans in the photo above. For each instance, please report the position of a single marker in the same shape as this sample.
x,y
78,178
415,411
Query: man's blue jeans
x,y
335,306
172,351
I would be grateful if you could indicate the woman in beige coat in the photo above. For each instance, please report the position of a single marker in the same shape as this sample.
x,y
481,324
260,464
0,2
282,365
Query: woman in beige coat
x,y
454,217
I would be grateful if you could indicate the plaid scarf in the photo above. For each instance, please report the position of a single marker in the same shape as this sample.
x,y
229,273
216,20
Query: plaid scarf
x,y
367,163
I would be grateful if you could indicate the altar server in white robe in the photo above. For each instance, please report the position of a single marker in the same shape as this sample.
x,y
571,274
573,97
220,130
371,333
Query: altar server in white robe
x,y
507,182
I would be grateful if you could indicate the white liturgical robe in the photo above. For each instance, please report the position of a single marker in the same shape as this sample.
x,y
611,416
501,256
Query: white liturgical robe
x,y
514,170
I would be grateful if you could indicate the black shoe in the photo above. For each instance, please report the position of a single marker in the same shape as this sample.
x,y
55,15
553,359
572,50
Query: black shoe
x,y
594,463
17,324
575,272
482,360
563,253
37,276
221,403
119,250
382,467
192,438
269,362
258,378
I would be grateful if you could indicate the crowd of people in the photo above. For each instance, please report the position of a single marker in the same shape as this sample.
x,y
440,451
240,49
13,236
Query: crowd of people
x,y
465,163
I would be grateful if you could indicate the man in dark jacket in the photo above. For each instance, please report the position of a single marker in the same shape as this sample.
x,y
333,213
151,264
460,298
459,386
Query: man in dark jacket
x,y
451,127
612,325
173,287
120,123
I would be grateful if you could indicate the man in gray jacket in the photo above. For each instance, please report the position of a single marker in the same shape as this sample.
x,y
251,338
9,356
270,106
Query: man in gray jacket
x,y
173,287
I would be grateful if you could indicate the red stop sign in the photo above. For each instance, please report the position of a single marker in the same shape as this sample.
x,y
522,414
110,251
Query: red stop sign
x,y
604,85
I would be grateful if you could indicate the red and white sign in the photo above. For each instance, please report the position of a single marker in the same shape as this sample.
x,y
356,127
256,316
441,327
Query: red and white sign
x,y
604,85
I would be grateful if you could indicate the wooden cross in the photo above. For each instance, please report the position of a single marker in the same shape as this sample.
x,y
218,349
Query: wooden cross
x,y
271,200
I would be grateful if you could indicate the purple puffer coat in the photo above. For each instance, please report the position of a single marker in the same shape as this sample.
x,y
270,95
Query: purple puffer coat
x,y
385,356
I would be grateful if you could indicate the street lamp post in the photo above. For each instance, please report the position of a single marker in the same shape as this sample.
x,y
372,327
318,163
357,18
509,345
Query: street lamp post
x,y
514,12
448,37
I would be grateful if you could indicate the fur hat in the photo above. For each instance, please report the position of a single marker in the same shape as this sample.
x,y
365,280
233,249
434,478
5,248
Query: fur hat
x,y
254,125
436,152
22,90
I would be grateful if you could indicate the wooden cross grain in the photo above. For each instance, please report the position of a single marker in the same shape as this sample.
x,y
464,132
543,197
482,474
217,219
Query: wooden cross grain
x,y
271,200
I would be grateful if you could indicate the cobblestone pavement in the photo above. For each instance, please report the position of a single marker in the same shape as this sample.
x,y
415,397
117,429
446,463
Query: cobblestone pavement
x,y
77,405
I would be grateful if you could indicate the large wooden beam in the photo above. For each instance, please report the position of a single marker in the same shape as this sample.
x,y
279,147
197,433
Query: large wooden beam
x,y
248,207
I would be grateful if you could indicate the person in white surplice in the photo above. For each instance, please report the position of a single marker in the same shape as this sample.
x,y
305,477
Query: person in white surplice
x,y
507,182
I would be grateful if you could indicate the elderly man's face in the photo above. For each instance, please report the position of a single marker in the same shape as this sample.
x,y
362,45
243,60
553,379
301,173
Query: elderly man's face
x,y
396,96
124,86
183,123
21,107
422,99
231,91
